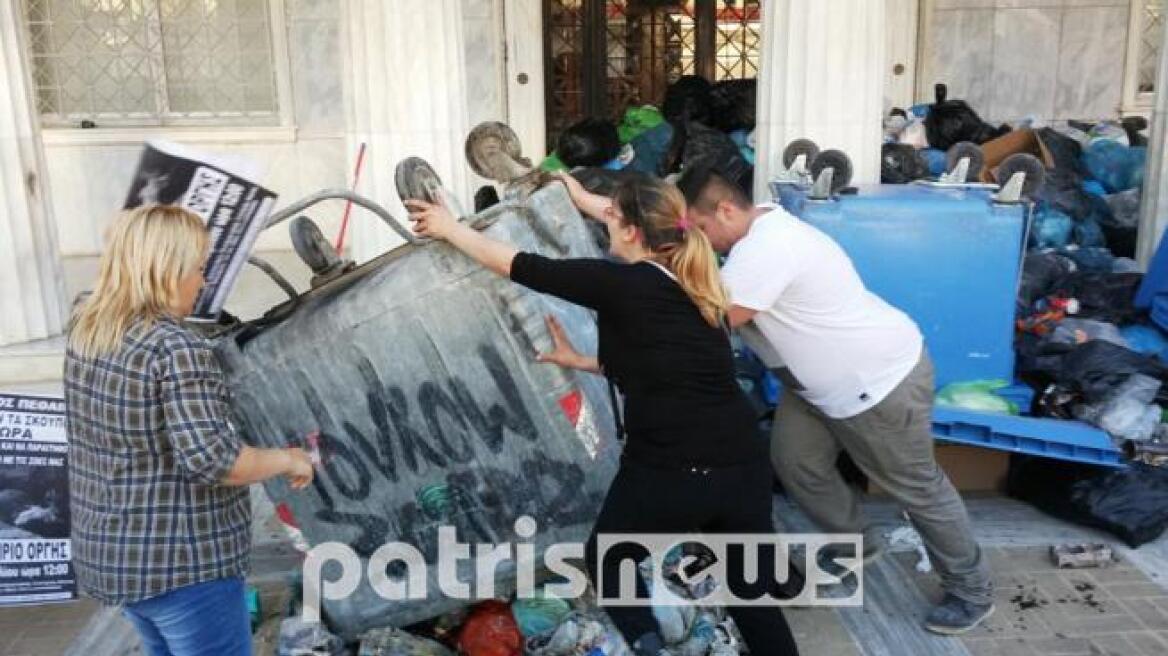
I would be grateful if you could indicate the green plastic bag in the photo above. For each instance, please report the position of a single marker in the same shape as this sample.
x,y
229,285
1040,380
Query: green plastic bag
x,y
977,395
553,163
638,120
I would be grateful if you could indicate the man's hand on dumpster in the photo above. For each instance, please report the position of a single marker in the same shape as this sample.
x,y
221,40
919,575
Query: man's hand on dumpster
x,y
430,219
563,353
299,468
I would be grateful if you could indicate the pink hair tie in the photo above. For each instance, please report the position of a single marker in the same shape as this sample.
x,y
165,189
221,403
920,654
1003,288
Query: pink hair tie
x,y
683,224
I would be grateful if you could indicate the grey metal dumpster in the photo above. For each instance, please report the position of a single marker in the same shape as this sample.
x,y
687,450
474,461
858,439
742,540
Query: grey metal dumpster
x,y
418,371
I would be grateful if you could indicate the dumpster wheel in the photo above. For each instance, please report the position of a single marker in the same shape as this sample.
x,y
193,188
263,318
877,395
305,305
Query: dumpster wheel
x,y
416,180
1022,163
494,152
969,150
800,147
837,160
310,244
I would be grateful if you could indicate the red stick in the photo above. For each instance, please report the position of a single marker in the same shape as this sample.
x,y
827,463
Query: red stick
x,y
349,203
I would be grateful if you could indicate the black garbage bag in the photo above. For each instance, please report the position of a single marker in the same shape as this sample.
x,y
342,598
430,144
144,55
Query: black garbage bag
x,y
1121,240
1040,273
1132,125
696,145
1063,190
732,104
687,99
1065,151
591,142
1130,503
1097,367
1107,297
901,164
953,121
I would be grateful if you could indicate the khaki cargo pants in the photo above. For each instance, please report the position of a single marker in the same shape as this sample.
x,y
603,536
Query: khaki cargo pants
x,y
892,443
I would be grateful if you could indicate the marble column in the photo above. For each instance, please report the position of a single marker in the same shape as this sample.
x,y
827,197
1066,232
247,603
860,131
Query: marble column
x,y
1154,203
821,77
31,282
406,90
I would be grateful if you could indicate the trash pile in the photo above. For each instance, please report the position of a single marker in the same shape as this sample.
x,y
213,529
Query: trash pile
x,y
543,625
1085,349
698,122
1089,195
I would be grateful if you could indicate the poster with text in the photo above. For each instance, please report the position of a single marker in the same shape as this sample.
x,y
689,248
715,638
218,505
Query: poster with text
x,y
35,562
222,193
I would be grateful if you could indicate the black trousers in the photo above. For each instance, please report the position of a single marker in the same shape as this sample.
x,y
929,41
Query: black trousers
x,y
644,499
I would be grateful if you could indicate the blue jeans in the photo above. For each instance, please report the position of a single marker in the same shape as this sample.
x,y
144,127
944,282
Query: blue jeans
x,y
205,618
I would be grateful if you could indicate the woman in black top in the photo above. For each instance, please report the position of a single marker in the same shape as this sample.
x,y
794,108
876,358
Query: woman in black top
x,y
692,460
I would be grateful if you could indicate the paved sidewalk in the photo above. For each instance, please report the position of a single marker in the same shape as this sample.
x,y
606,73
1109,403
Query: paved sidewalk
x,y
43,630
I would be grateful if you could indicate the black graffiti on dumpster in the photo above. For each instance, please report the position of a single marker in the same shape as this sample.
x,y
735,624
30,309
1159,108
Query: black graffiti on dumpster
x,y
442,436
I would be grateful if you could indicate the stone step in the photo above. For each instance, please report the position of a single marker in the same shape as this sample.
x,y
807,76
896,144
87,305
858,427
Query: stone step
x,y
33,366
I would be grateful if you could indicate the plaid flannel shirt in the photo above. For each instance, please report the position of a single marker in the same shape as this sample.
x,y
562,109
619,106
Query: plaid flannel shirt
x,y
149,440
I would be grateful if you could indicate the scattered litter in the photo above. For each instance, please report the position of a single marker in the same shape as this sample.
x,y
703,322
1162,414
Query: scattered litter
x,y
490,630
977,395
906,537
300,638
1078,556
395,642
539,615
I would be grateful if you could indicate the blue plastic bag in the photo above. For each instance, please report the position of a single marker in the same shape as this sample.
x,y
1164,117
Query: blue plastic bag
x,y
936,161
1148,340
1089,235
1095,187
1052,228
1117,167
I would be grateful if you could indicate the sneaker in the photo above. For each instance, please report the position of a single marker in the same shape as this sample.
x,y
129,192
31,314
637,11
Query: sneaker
x,y
954,616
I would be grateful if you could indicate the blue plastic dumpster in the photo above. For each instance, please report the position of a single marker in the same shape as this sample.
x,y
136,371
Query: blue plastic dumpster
x,y
951,259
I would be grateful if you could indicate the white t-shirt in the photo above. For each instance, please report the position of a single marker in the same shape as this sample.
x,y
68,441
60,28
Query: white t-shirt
x,y
846,347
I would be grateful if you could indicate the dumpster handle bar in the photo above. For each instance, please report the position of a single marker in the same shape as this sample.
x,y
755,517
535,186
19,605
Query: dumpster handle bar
x,y
276,277
344,194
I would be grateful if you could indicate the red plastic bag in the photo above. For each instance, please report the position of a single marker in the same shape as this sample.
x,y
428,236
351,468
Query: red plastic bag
x,y
490,631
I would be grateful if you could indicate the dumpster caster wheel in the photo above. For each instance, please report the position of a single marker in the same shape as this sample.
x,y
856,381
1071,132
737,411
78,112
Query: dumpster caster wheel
x,y
494,152
416,180
310,244
839,162
970,151
800,147
1022,163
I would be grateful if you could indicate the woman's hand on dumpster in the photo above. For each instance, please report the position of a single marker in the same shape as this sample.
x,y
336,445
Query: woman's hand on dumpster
x,y
575,190
563,353
592,205
299,470
431,219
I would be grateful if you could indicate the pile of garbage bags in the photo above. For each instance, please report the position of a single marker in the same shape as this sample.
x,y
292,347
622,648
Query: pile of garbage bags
x,y
1090,195
698,122
543,625
1087,349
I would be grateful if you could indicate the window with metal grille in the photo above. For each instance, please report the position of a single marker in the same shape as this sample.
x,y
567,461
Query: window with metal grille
x,y
606,55
153,62
1145,38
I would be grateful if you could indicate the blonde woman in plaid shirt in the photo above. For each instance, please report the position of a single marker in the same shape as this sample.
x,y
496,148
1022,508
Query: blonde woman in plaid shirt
x,y
161,521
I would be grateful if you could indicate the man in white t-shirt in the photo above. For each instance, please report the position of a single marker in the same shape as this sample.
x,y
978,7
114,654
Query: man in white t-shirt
x,y
856,378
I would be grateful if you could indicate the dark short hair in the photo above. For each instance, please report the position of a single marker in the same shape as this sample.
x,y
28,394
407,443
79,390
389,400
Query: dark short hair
x,y
704,186
591,142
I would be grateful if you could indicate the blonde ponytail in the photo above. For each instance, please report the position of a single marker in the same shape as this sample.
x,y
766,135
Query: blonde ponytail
x,y
149,250
696,267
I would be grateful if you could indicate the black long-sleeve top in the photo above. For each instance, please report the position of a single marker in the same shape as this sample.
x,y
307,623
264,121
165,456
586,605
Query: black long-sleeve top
x,y
683,406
